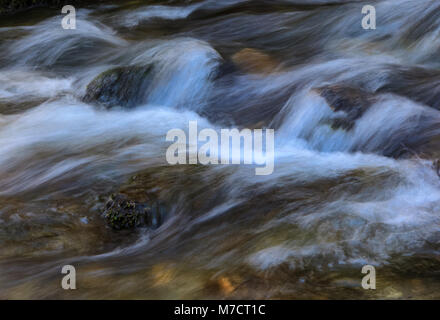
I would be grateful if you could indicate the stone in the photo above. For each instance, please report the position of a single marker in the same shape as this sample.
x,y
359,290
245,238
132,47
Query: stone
x,y
353,102
254,61
123,213
120,86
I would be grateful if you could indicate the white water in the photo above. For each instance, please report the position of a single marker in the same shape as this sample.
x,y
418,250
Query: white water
x,y
68,144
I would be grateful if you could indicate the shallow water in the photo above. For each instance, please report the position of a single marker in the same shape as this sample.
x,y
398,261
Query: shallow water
x,y
337,200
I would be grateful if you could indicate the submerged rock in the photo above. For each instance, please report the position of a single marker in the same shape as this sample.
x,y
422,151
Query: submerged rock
x,y
353,102
123,213
8,107
120,86
416,83
254,61
417,135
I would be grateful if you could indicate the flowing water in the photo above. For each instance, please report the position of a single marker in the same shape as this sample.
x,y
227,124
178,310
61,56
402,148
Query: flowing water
x,y
337,200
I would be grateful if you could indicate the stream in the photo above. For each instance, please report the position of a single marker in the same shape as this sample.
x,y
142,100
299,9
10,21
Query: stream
x,y
343,194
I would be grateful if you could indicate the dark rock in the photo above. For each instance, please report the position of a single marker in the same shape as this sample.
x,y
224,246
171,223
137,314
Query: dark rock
x,y
418,84
246,106
421,139
8,107
123,213
13,6
353,102
224,69
120,86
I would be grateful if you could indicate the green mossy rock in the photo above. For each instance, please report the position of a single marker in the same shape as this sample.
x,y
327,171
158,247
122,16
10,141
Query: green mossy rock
x,y
120,86
123,213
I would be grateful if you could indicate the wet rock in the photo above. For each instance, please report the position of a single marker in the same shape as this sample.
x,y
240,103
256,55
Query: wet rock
x,y
12,6
8,107
120,86
253,103
353,102
418,84
254,61
123,213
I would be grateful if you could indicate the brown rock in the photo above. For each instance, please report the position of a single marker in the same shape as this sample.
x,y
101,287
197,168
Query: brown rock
x,y
254,61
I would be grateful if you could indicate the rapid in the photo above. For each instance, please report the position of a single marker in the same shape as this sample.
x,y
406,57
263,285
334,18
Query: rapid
x,y
347,190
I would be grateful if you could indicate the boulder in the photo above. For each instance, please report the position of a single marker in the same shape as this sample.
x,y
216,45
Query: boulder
x,y
120,86
124,213
352,101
